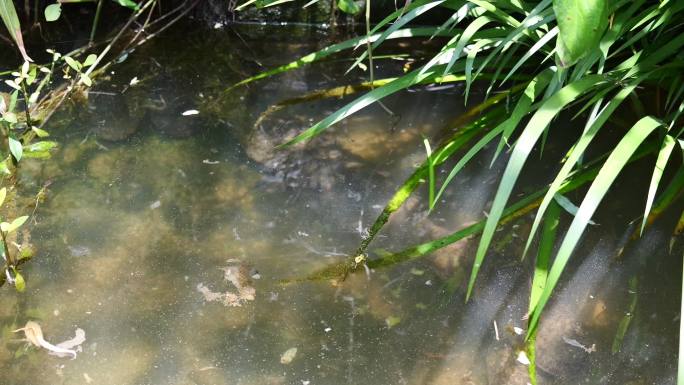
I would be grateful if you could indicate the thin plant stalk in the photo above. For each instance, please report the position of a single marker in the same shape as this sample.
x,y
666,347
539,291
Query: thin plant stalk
x,y
96,20
8,256
680,360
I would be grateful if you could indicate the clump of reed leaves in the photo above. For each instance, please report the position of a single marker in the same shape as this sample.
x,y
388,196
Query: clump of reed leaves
x,y
587,56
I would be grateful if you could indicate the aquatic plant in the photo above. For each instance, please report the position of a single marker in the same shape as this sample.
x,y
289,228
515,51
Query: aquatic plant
x,y
38,90
549,57
11,272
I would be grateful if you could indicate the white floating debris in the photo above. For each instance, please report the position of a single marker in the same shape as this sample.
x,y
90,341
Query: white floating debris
x,y
155,205
72,344
288,356
190,112
244,290
207,161
518,330
522,358
327,330
577,344
34,334
134,81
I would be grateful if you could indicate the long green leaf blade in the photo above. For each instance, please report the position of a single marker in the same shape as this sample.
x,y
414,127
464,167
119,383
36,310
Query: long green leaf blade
x,y
613,165
575,155
522,149
11,21
661,162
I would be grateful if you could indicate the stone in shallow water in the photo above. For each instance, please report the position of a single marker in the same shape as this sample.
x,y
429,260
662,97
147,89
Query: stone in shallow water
x,y
110,117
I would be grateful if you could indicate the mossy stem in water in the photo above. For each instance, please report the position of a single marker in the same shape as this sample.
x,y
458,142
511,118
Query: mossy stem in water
x,y
8,256
27,106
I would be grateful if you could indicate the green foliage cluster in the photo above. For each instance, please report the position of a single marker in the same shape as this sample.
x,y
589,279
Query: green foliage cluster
x,y
37,90
587,56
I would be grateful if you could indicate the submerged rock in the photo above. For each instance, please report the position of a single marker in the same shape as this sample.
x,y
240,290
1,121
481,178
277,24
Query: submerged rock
x,y
110,117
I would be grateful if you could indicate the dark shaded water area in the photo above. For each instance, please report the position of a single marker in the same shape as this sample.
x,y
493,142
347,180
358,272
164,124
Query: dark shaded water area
x,y
166,235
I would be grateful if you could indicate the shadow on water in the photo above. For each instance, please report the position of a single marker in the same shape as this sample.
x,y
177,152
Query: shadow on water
x,y
159,224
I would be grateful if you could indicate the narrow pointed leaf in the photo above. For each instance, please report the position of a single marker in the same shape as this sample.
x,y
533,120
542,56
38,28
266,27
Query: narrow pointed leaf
x,y
11,21
661,162
541,266
604,180
575,155
536,126
521,109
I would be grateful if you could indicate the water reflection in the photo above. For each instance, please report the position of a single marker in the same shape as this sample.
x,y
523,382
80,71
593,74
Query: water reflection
x,y
135,223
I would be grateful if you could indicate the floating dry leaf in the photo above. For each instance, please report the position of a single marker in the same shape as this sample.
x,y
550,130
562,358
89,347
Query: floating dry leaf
x,y
288,356
577,344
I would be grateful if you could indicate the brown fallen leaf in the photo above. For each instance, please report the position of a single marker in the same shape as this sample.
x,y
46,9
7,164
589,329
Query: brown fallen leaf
x,y
34,334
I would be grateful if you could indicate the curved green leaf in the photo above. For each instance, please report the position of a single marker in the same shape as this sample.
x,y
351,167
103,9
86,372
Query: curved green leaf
x,y
604,180
11,21
537,124
521,109
661,162
541,265
575,154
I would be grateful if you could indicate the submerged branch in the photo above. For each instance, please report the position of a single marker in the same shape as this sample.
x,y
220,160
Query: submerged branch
x,y
520,208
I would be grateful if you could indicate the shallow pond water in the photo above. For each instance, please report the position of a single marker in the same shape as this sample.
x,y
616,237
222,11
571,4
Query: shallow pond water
x,y
167,238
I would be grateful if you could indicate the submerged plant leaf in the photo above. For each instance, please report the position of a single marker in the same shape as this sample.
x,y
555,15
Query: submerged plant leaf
x,y
581,24
623,326
541,267
3,194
